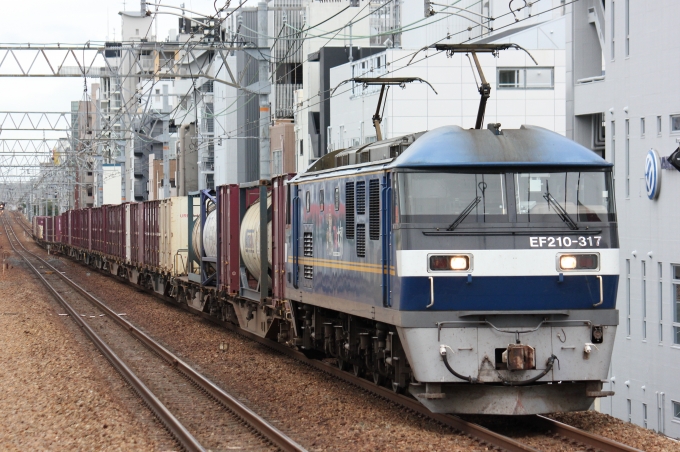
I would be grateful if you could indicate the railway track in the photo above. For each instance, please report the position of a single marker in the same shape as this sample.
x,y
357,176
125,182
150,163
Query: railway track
x,y
485,436
198,414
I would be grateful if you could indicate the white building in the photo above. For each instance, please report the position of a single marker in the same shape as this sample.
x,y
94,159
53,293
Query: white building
x,y
522,92
635,99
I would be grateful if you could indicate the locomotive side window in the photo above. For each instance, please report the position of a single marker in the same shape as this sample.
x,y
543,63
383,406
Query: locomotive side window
x,y
308,201
336,198
321,201
583,196
449,197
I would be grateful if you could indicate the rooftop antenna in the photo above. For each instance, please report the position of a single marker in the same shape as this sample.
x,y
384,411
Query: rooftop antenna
x,y
485,87
383,82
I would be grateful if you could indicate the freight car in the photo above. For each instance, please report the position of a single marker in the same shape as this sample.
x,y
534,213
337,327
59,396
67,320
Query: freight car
x,y
475,269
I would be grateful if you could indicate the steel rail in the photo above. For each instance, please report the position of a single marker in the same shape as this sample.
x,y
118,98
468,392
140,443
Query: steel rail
x,y
588,439
274,435
481,434
181,434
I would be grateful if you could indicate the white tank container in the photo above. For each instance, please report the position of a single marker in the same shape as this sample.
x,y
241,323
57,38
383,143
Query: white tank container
x,y
210,235
249,240
195,234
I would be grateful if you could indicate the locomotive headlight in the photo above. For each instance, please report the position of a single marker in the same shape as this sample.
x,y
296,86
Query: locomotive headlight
x,y
456,262
460,263
567,262
578,261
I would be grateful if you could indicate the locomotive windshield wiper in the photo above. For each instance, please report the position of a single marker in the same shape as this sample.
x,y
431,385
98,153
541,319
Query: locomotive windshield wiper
x,y
564,216
464,213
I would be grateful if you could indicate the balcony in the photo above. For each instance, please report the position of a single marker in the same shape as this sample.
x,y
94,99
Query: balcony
x,y
589,95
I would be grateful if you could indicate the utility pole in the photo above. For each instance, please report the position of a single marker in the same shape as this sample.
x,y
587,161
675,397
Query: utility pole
x,y
263,70
166,143
98,159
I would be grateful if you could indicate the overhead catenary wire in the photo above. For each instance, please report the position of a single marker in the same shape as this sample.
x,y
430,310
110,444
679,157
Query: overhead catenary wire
x,y
405,28
410,54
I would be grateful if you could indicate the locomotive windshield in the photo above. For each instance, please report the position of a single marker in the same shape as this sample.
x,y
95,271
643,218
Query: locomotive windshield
x,y
445,197
541,197
564,196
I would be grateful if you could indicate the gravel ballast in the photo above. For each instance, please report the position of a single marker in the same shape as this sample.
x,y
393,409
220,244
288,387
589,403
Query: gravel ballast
x,y
313,408
58,393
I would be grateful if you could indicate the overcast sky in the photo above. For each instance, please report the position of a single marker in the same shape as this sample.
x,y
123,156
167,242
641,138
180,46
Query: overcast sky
x,y
69,22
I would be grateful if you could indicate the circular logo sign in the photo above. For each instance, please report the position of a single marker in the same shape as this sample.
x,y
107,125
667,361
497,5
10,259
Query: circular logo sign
x,y
652,174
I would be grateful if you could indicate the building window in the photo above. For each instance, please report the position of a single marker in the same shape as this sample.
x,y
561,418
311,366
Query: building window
x,y
643,296
676,411
613,146
642,127
613,22
675,123
627,158
676,304
627,27
628,297
526,78
660,265
658,125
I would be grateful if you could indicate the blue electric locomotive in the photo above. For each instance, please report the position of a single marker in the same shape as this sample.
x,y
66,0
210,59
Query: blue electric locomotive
x,y
476,269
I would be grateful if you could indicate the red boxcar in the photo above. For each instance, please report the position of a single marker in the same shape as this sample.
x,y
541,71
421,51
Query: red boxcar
x,y
58,228
82,234
66,227
228,258
76,217
48,234
151,232
115,234
98,228
136,234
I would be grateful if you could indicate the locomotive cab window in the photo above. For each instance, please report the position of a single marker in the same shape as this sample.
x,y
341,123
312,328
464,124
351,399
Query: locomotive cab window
x,y
564,197
451,197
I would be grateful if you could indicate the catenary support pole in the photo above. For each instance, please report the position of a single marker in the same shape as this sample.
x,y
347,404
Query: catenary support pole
x,y
263,69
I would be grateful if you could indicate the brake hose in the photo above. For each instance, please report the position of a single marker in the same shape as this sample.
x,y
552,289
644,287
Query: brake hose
x,y
473,380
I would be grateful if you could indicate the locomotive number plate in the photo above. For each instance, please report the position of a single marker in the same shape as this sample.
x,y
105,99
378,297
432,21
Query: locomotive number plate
x,y
565,242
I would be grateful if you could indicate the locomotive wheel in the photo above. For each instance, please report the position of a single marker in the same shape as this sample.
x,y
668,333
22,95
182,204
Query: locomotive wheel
x,y
357,370
378,379
396,388
343,365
